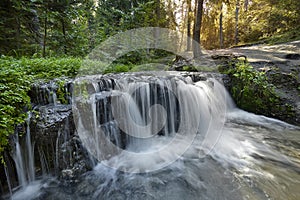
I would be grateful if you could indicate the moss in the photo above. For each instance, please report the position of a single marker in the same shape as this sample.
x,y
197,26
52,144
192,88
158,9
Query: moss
x,y
251,90
61,92
117,68
189,69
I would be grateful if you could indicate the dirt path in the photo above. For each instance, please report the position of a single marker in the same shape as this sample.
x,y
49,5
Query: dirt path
x,y
284,56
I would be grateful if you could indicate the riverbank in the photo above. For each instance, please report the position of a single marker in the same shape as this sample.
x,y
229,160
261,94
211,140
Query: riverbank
x,y
280,64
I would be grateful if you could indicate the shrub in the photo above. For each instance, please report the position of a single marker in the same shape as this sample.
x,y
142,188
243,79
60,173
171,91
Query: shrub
x,y
16,77
251,90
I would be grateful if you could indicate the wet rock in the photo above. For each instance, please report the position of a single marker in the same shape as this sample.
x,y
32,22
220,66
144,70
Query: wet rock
x,y
67,174
49,120
54,134
182,64
51,92
57,143
287,87
73,160
293,56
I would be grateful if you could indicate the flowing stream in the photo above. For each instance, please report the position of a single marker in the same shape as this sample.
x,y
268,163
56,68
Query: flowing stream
x,y
171,137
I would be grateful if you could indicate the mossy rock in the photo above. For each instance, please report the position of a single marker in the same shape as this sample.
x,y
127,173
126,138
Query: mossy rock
x,y
273,94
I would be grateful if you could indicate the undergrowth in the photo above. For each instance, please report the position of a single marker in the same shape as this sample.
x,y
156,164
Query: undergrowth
x,y
16,77
251,90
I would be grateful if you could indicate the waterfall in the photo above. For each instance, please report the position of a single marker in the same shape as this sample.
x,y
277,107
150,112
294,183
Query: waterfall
x,y
24,158
140,108
8,180
149,136
20,166
30,151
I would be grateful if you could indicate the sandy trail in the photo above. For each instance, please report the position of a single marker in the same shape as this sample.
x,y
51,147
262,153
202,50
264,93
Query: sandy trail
x,y
266,54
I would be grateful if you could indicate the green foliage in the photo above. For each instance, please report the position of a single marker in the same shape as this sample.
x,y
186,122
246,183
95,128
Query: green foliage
x,y
61,92
44,27
142,56
14,85
16,77
251,90
44,68
117,68
19,29
133,57
72,27
189,69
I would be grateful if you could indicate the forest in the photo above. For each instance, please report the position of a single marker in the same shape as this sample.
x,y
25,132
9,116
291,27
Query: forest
x,y
47,28
45,39
97,102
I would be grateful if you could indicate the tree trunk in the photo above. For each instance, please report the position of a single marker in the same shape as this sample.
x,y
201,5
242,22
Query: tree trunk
x,y
64,34
197,29
157,12
189,25
170,12
18,33
45,35
237,9
184,15
158,24
221,28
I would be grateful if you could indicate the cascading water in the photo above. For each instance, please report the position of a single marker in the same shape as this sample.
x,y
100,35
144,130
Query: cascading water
x,y
144,107
20,166
24,159
30,152
167,137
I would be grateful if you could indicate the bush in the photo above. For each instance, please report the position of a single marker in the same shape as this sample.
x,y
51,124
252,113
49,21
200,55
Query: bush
x,y
251,90
14,85
117,68
16,77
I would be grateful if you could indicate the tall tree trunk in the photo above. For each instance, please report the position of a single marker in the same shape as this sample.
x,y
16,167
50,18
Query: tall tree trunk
x,y
221,28
64,34
157,12
189,25
184,14
170,12
18,33
45,35
236,35
197,29
35,27
157,24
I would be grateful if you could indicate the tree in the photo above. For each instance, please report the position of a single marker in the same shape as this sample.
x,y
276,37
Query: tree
x,y
236,35
74,27
221,27
197,29
19,27
189,25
